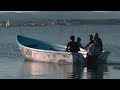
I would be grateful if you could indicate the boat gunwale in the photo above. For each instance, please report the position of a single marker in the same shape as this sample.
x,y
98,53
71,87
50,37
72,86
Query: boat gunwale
x,y
40,50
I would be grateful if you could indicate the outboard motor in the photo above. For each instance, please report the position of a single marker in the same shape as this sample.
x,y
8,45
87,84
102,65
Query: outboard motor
x,y
103,57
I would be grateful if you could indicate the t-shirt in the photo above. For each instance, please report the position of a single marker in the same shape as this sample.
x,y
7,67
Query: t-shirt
x,y
73,46
80,45
99,41
94,49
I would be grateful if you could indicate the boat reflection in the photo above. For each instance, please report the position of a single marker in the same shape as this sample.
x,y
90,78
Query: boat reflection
x,y
78,71
81,71
47,70
64,71
96,71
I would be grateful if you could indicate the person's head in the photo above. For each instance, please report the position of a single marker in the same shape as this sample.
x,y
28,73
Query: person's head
x,y
95,38
72,38
91,37
96,35
78,39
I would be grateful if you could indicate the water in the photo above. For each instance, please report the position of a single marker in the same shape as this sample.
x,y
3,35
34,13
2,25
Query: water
x,y
14,66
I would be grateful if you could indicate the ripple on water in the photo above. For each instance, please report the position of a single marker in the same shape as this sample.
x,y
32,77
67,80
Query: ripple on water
x,y
10,51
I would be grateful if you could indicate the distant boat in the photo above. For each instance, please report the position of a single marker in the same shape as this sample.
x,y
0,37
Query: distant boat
x,y
42,51
8,23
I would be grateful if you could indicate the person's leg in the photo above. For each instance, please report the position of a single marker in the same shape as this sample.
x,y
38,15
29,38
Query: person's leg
x,y
89,60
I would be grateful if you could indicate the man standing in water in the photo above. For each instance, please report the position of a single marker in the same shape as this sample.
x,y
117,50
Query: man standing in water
x,y
72,46
99,41
79,43
91,41
94,50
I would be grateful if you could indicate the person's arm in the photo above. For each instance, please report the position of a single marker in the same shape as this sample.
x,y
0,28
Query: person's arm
x,y
81,46
100,44
67,49
91,50
87,45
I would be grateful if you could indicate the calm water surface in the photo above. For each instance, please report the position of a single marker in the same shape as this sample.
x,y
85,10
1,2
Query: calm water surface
x,y
14,66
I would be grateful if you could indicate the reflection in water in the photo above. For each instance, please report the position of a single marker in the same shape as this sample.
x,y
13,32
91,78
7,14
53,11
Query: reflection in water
x,y
96,71
78,71
63,71
47,70
81,71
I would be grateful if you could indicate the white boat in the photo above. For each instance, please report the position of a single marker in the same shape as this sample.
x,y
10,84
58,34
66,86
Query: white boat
x,y
8,23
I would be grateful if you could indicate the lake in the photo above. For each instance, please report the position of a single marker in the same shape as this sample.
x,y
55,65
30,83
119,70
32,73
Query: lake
x,y
14,66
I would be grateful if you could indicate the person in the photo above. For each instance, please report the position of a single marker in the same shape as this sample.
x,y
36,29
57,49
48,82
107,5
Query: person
x,y
93,52
79,43
72,46
99,41
91,41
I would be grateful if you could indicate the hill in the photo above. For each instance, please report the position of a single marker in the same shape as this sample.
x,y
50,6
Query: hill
x,y
72,17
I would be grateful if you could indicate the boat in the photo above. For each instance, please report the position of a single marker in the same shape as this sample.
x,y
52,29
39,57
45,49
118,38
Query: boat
x,y
7,23
42,51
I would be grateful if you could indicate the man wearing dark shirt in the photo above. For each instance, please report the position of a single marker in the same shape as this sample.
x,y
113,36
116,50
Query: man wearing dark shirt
x,y
79,42
99,41
91,41
72,46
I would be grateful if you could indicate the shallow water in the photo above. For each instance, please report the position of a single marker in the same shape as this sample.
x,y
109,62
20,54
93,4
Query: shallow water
x,y
14,66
